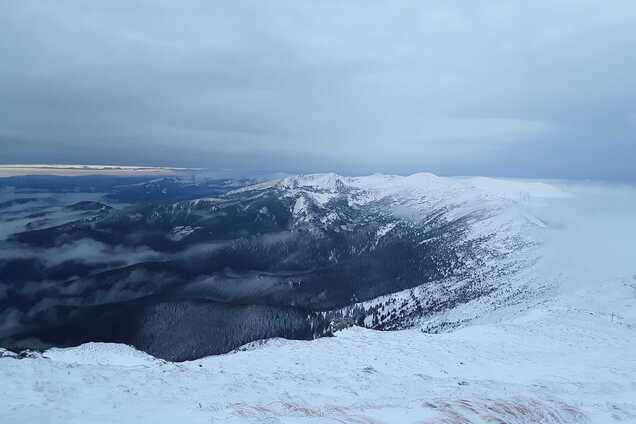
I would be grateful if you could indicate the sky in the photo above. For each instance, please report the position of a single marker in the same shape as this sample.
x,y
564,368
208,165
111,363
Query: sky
x,y
540,89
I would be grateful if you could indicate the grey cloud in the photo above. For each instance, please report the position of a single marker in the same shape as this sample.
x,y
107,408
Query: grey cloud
x,y
539,89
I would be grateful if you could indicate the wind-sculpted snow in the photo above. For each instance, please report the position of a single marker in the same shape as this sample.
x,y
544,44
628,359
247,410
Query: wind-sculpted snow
x,y
326,251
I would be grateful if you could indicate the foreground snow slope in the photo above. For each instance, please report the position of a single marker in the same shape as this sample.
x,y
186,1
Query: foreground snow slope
x,y
566,357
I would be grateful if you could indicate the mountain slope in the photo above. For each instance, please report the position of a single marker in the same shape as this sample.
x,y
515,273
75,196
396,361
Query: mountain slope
x,y
561,353
561,362
384,252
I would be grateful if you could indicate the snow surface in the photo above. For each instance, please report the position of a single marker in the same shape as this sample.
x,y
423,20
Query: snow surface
x,y
180,232
567,356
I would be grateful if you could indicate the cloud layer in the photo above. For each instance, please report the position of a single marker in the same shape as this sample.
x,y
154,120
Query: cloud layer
x,y
539,89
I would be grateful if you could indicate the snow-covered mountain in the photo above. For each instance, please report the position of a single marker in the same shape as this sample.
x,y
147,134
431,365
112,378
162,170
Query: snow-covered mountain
x,y
479,235
513,301
296,257
488,225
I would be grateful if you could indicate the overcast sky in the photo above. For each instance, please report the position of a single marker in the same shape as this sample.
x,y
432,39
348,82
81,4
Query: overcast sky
x,y
542,88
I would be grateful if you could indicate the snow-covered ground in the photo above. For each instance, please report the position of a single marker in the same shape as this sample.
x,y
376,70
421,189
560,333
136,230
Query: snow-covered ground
x,y
567,356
